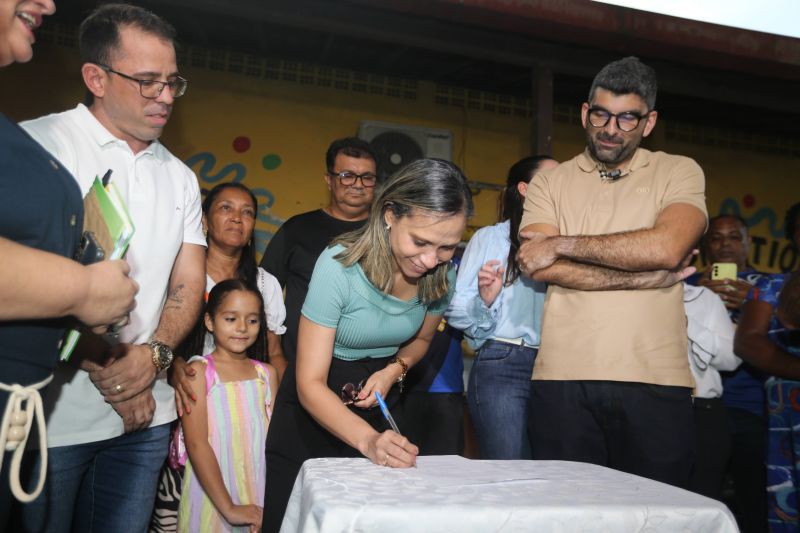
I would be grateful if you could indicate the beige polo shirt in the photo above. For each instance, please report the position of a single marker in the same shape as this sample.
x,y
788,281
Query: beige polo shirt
x,y
631,335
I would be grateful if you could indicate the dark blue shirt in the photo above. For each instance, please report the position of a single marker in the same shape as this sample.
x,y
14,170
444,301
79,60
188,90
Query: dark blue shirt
x,y
40,207
441,370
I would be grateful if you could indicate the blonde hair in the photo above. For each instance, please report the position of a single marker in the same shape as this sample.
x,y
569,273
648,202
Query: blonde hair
x,y
434,186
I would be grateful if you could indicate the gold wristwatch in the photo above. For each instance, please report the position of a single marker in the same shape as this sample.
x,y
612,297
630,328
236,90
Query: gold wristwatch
x,y
162,355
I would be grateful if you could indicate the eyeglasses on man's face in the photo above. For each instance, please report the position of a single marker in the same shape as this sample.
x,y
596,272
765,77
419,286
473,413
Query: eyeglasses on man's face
x,y
627,121
152,89
348,178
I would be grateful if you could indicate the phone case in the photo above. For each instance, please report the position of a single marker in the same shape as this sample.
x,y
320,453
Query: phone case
x,y
723,271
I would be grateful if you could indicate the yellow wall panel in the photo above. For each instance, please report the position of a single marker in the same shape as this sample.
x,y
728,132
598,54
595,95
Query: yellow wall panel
x,y
272,135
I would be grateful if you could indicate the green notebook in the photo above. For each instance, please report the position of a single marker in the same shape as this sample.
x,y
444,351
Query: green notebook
x,y
105,215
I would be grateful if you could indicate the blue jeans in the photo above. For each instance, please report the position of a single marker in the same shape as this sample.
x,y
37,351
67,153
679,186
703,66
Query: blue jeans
x,y
497,395
102,486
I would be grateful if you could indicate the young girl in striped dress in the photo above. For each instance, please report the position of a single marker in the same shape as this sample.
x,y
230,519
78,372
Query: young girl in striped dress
x,y
223,485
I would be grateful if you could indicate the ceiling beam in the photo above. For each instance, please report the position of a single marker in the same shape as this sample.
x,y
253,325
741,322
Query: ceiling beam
x,y
360,21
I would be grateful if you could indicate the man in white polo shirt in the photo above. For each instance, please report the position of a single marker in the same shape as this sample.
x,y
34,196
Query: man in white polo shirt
x,y
109,420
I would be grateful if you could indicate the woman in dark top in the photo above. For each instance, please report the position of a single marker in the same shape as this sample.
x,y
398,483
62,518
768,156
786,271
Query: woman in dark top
x,y
41,220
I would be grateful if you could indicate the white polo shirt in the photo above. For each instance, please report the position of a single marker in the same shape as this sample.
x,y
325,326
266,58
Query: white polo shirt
x,y
163,198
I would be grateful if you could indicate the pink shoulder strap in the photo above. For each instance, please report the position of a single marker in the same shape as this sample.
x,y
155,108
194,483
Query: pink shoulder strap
x,y
211,372
262,369
177,447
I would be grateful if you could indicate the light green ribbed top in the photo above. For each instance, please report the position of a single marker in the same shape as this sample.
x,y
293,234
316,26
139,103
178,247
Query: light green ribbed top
x,y
368,322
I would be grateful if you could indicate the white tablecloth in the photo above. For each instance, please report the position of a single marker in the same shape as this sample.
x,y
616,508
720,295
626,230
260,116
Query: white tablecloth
x,y
453,494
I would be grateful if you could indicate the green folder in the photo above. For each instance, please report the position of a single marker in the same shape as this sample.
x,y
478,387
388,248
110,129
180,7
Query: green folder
x,y
105,215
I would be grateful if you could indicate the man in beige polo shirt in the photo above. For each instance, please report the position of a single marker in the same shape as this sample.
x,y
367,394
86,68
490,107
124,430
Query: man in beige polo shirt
x,y
612,232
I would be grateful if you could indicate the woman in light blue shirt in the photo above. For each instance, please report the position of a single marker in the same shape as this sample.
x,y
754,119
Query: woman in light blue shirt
x,y
500,312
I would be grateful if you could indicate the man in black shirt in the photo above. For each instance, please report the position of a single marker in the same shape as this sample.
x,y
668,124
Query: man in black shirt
x,y
292,253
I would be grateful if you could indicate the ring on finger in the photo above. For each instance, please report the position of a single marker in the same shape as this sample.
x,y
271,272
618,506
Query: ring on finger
x,y
385,460
119,388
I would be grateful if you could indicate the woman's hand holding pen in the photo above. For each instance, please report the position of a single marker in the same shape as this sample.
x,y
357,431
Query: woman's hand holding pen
x,y
390,449
380,381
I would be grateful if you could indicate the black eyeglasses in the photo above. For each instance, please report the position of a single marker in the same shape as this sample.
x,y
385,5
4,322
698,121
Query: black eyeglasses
x,y
627,121
152,89
349,393
348,178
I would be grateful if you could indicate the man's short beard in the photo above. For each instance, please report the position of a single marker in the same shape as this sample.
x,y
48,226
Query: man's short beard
x,y
619,155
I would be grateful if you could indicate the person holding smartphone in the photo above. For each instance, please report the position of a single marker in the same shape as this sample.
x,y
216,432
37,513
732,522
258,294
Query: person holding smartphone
x,y
727,241
726,246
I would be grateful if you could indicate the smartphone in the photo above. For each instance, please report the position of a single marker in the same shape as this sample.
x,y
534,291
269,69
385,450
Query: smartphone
x,y
723,271
89,251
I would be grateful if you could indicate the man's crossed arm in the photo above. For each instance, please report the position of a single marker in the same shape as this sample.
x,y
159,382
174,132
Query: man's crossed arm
x,y
640,259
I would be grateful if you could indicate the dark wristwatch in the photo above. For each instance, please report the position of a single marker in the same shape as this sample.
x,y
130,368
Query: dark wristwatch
x,y
162,355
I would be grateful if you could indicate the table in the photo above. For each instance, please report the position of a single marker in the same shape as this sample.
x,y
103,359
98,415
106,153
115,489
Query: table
x,y
453,494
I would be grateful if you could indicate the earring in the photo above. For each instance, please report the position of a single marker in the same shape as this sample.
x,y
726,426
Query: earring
x,y
388,227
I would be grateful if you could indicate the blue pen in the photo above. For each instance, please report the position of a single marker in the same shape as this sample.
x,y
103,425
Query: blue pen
x,y
386,412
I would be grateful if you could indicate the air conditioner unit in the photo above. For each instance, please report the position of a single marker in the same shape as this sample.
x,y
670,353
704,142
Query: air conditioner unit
x,y
396,145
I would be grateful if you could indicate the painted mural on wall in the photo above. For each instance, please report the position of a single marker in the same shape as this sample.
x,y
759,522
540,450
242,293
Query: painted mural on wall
x,y
211,172
769,249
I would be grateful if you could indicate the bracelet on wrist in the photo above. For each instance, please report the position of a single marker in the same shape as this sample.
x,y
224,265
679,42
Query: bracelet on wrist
x,y
403,366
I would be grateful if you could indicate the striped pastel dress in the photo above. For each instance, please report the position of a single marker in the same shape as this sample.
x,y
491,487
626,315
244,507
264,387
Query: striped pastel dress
x,y
238,419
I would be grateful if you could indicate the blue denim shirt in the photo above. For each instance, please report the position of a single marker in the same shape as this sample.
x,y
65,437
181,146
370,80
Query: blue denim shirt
x,y
517,310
